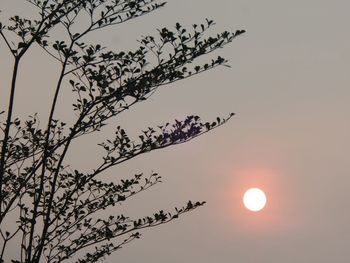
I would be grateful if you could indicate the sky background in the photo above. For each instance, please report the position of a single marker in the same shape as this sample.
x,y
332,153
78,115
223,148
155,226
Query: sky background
x,y
288,85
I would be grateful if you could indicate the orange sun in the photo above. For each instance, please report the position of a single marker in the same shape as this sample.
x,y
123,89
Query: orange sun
x,y
254,199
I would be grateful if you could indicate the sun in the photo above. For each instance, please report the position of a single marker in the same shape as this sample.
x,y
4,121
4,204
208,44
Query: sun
x,y
254,199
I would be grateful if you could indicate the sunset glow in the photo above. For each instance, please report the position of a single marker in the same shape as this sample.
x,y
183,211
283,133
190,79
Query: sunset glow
x,y
254,199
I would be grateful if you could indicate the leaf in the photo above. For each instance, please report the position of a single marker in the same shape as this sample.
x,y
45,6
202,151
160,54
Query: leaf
x,y
21,45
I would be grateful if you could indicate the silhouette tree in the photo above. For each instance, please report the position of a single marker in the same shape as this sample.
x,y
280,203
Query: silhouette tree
x,y
52,206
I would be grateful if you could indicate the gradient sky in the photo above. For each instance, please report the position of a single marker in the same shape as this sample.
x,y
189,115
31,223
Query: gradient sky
x,y
288,85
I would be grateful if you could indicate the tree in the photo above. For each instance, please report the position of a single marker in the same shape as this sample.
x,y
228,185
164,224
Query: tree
x,y
52,204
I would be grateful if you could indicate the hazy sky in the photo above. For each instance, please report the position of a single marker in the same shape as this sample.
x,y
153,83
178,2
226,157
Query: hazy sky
x,y
288,85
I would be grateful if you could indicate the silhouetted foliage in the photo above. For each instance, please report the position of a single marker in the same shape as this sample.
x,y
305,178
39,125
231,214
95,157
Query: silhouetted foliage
x,y
52,205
